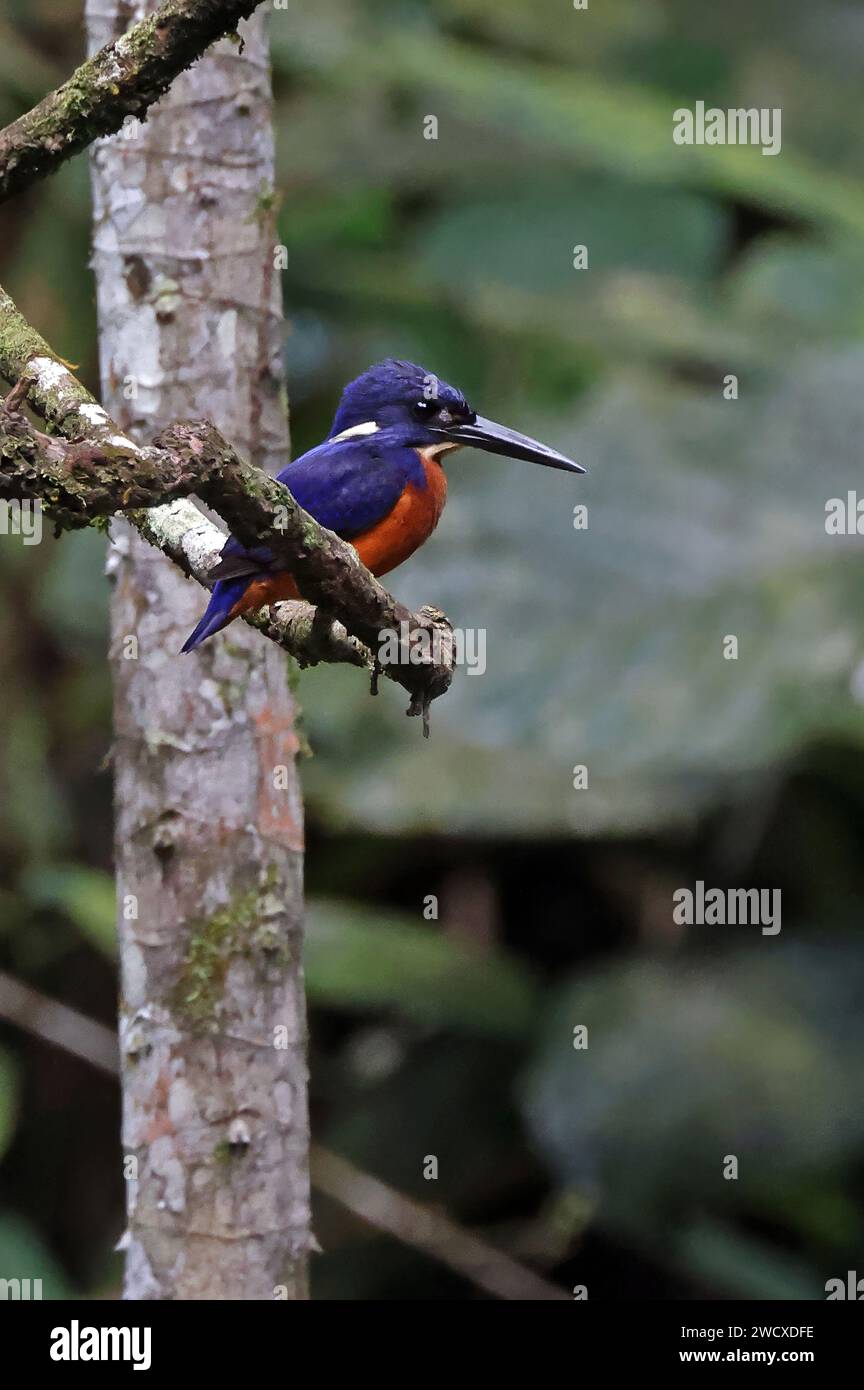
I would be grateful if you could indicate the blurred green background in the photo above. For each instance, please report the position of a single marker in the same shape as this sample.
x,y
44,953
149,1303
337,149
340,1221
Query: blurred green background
x,y
706,517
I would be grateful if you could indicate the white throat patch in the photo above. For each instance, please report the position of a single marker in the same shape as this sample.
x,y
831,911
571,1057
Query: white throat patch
x,y
368,427
435,451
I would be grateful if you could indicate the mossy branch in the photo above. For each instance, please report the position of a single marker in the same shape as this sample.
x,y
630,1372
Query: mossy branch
x,y
123,79
89,470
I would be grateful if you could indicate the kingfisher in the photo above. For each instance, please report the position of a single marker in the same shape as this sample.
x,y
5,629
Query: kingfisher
x,y
377,481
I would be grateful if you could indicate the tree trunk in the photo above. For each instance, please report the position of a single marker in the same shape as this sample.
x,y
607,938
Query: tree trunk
x,y
208,809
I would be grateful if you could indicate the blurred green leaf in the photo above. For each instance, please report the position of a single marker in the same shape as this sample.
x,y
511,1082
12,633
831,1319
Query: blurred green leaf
x,y
758,1055
744,1267
72,599
34,800
613,124
785,285
86,896
524,237
8,1101
24,1256
359,960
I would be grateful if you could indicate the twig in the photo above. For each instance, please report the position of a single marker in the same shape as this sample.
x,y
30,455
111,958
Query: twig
x,y
365,1196
123,79
388,1210
56,1023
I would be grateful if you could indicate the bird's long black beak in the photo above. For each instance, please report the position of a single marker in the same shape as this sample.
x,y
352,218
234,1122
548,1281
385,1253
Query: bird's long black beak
x,y
497,439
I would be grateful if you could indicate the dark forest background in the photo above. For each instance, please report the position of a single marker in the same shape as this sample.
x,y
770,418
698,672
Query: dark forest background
x,y
454,1036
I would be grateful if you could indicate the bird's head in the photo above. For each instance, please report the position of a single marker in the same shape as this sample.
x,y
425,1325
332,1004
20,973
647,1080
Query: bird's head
x,y
429,414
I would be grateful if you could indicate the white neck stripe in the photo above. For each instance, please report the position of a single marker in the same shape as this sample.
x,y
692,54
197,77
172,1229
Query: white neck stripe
x,y
368,427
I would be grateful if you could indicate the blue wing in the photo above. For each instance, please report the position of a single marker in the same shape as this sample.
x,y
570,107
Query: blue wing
x,y
350,486
347,487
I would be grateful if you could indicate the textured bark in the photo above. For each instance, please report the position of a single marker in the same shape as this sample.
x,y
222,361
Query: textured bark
x,y
123,79
208,829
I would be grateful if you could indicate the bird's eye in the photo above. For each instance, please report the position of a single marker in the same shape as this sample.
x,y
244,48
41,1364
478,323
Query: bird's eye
x,y
424,409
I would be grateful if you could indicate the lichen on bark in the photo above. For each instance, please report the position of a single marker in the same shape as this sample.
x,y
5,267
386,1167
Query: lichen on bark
x,y
247,927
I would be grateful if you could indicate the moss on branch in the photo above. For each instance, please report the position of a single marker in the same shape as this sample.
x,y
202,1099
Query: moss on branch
x,y
89,470
123,79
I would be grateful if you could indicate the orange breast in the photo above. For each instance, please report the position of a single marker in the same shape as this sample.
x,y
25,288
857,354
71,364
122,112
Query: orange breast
x,y
384,546
411,522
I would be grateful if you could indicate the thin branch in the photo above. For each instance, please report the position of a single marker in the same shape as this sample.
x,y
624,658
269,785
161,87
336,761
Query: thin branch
x,y
365,1196
93,470
56,1023
425,1229
123,79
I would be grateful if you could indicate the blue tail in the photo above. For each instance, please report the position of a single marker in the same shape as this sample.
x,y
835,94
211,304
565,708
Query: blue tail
x,y
225,594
